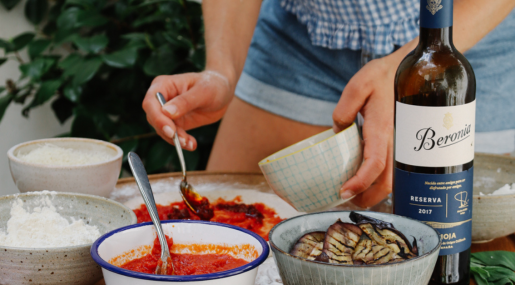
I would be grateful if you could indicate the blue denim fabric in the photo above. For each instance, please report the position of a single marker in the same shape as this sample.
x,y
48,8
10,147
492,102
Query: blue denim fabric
x,y
288,76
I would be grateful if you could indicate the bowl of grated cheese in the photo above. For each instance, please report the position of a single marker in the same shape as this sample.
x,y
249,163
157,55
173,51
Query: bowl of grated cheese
x,y
66,165
46,236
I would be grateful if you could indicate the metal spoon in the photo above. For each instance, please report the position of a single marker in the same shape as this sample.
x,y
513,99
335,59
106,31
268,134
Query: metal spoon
x,y
138,170
193,200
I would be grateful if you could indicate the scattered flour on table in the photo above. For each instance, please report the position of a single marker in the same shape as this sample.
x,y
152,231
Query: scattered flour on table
x,y
268,274
44,228
505,190
51,154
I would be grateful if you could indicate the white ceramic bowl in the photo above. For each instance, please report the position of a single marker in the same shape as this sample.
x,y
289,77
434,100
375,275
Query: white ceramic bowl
x,y
308,175
60,265
96,178
126,239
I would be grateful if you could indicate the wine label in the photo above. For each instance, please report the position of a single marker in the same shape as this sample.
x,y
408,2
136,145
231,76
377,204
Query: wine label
x,y
434,136
443,201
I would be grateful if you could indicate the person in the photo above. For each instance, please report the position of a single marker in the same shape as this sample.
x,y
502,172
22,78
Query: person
x,y
304,72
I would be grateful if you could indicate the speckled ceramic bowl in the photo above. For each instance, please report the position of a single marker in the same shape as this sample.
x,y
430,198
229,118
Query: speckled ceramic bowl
x,y
63,265
96,178
298,271
308,175
492,216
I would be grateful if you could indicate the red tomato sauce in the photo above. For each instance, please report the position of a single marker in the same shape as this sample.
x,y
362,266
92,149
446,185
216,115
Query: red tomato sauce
x,y
256,217
184,264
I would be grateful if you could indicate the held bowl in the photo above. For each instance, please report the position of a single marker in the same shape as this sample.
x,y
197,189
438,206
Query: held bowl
x,y
95,178
299,271
308,175
60,265
124,244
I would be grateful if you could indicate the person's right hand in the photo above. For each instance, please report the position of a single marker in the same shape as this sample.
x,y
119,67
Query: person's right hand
x,y
193,100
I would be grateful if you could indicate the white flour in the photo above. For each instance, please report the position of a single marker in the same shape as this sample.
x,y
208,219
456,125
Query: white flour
x,y
505,190
44,228
51,154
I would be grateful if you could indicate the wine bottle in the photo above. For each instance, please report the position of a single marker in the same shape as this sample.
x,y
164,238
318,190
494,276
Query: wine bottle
x,y
434,140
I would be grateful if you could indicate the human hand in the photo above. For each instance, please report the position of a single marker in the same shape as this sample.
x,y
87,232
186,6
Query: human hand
x,y
193,100
370,92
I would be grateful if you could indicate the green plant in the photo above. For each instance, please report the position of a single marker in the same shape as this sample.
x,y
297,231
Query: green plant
x,y
493,267
95,60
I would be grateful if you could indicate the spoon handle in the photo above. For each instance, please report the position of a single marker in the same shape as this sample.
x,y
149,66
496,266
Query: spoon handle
x,y
138,170
176,141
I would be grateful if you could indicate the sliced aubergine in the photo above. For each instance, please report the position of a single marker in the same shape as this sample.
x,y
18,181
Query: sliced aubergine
x,y
362,219
309,246
340,242
362,249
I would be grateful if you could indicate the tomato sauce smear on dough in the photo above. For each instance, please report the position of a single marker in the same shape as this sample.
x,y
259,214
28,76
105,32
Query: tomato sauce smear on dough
x,y
184,264
256,217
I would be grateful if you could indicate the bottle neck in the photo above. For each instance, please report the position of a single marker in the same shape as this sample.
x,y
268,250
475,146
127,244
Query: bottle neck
x,y
436,38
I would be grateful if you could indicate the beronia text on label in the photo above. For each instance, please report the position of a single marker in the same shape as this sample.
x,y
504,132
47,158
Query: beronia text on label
x,y
434,136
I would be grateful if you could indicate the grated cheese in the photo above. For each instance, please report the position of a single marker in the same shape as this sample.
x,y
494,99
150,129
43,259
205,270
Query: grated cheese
x,y
44,227
51,154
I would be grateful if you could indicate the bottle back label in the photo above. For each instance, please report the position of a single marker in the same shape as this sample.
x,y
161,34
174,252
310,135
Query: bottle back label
x,y
443,201
434,136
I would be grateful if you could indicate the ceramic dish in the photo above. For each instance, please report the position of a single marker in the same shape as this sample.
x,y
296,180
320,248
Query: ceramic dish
x,y
130,238
96,178
62,265
299,271
308,175
493,216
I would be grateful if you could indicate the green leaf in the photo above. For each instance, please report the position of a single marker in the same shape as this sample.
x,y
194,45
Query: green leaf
x,y
83,126
22,41
70,61
37,68
4,103
2,60
63,109
72,93
90,18
122,58
498,273
86,70
63,36
68,19
46,91
147,20
161,61
159,156
35,10
93,44
495,258
9,4
36,47
6,45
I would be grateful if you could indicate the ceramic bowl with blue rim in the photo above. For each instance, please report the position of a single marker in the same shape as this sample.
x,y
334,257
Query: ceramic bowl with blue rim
x,y
124,244
308,175
300,271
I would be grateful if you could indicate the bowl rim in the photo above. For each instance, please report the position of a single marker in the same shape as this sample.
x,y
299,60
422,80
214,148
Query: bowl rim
x,y
272,244
134,219
264,160
181,278
13,157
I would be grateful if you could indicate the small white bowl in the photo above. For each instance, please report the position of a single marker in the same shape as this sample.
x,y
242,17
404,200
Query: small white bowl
x,y
95,178
127,239
308,175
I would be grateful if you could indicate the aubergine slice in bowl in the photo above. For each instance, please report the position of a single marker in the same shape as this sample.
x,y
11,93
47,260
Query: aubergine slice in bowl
x,y
419,239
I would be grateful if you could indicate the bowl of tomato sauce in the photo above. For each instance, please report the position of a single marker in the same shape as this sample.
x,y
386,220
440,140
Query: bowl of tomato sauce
x,y
206,253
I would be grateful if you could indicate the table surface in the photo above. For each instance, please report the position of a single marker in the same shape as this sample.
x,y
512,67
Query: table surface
x,y
504,243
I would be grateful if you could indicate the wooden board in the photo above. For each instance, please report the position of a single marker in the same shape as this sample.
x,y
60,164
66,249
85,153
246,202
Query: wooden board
x,y
256,181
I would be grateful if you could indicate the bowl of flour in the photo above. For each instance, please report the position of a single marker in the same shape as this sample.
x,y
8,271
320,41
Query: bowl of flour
x,y
493,210
66,165
45,237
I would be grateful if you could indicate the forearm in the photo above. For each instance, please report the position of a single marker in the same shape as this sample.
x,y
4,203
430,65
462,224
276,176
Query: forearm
x,y
473,20
229,25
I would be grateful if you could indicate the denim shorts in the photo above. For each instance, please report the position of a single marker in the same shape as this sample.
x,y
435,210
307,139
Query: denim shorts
x,y
286,75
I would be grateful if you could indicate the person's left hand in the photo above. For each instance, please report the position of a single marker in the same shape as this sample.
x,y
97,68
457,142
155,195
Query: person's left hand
x,y
370,92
